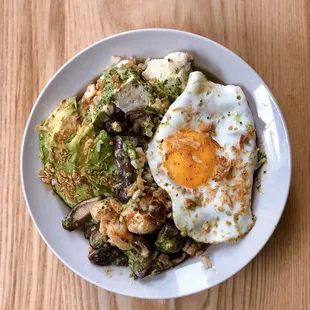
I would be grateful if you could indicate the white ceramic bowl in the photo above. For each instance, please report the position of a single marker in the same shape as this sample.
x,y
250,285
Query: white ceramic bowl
x,y
47,210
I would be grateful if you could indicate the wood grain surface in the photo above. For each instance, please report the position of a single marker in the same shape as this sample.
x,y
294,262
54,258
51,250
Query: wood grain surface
x,y
37,37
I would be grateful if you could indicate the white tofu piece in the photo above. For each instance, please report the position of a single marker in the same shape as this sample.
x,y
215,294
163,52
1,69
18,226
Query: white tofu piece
x,y
89,93
174,68
122,63
116,60
131,97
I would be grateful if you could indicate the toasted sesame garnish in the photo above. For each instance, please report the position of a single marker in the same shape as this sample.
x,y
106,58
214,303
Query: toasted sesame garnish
x,y
191,204
222,168
51,156
206,261
251,130
217,219
99,84
189,115
177,142
41,173
217,145
129,64
116,79
228,200
234,149
212,192
207,128
41,128
46,180
178,109
244,139
206,226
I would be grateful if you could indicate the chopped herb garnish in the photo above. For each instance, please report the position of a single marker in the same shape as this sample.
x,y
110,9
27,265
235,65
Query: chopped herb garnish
x,y
261,159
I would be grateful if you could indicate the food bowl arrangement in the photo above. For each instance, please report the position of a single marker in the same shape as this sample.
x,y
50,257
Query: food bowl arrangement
x,y
156,162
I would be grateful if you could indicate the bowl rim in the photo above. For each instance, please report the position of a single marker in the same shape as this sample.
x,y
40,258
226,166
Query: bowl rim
x,y
120,34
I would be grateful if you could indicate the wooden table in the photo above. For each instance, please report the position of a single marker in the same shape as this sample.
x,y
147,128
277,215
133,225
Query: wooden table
x,y
37,37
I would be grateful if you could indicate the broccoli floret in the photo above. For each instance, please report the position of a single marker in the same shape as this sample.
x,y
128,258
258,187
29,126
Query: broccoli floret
x,y
169,239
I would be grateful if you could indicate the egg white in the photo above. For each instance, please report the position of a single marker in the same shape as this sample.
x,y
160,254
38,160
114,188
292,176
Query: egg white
x,y
218,218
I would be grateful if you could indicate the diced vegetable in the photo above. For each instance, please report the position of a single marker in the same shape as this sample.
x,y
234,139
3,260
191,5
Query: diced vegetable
x,y
80,214
107,255
169,239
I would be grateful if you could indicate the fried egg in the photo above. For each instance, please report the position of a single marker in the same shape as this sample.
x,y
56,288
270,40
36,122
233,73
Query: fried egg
x,y
204,155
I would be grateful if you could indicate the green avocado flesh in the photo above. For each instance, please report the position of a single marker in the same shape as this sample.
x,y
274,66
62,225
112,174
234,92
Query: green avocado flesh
x,y
77,155
80,164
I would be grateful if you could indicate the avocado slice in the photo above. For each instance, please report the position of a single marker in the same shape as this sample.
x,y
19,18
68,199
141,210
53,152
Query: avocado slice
x,y
58,127
79,164
100,169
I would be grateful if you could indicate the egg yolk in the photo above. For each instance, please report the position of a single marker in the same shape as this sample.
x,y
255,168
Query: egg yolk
x,y
189,157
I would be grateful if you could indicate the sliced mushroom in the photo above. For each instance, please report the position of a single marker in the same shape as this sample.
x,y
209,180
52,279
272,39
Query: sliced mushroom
x,y
124,168
169,239
97,239
118,115
90,227
142,245
178,259
171,261
192,248
165,261
142,122
142,142
132,116
80,214
107,255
